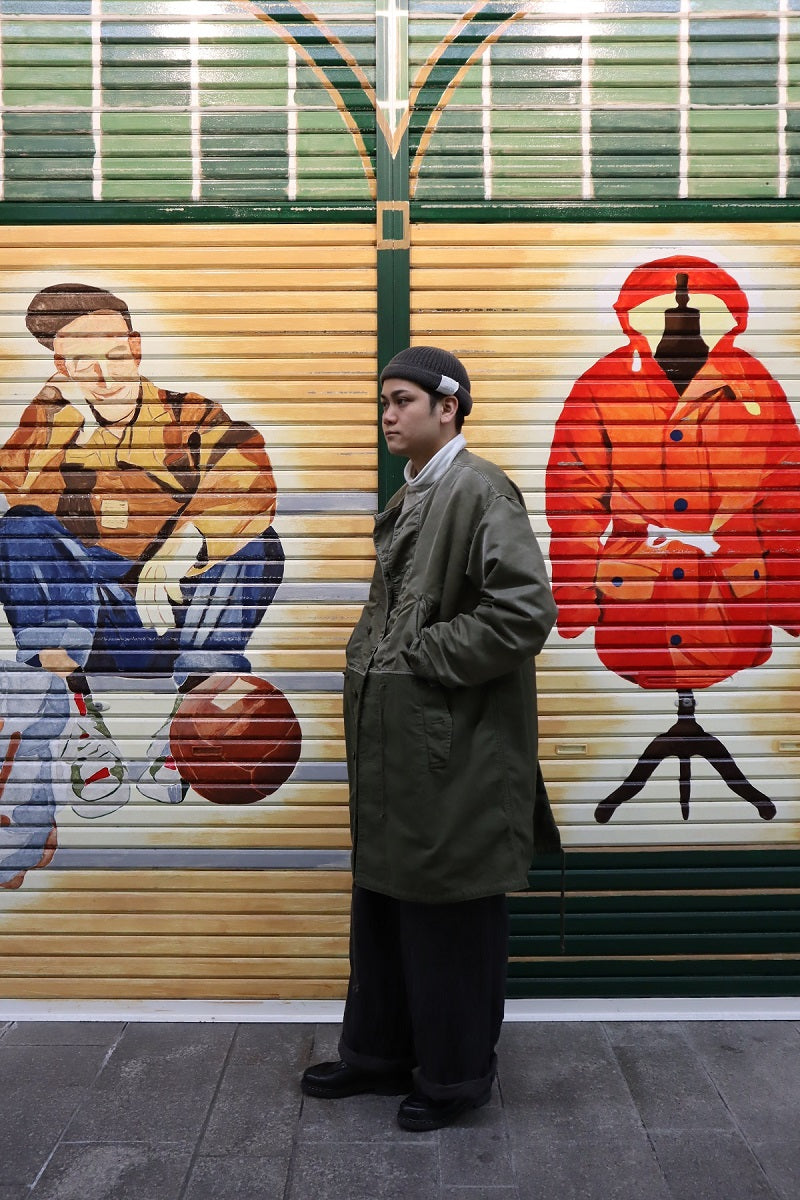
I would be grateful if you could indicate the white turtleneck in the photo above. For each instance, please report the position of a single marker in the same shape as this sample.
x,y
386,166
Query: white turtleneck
x,y
432,472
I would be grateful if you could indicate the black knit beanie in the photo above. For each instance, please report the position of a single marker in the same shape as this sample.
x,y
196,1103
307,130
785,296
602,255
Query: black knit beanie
x,y
433,369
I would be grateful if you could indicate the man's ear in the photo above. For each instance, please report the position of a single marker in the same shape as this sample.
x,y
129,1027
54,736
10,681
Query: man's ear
x,y
449,409
135,343
60,364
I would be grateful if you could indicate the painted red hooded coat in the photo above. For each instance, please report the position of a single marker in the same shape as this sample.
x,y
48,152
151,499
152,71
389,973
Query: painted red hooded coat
x,y
675,519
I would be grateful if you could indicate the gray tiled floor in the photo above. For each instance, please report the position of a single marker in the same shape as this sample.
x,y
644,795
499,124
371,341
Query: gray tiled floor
x,y
585,1111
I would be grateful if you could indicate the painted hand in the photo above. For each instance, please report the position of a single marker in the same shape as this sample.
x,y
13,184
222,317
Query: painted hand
x,y
159,586
58,661
70,391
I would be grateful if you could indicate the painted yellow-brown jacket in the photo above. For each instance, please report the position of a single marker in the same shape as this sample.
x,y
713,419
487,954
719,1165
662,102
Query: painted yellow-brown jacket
x,y
180,457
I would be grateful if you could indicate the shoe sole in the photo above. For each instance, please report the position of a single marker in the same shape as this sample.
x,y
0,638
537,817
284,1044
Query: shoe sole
x,y
427,1125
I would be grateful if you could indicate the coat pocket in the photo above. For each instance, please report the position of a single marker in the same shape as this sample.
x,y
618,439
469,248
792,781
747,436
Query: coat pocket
x,y
746,578
438,723
627,579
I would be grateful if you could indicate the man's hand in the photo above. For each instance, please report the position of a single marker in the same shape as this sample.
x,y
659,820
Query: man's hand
x,y
58,661
69,390
159,585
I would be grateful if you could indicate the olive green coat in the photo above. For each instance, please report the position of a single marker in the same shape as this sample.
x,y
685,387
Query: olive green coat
x,y
440,695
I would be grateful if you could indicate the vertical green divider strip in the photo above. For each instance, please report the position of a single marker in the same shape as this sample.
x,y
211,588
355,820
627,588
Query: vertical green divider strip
x,y
392,214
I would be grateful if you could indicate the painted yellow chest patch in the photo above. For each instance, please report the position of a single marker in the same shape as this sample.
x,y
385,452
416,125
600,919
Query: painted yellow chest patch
x,y
114,513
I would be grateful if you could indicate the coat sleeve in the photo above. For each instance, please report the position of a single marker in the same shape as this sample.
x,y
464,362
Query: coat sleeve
x,y
31,458
514,613
578,487
778,517
236,493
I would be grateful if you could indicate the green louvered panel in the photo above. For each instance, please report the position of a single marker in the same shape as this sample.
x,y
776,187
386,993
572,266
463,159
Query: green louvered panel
x,y
623,99
635,134
146,146
111,100
660,923
734,64
47,100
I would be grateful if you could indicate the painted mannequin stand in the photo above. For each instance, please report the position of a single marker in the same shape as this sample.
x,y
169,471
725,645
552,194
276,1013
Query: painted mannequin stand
x,y
683,740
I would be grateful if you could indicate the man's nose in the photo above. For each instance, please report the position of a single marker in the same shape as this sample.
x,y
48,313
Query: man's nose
x,y
96,372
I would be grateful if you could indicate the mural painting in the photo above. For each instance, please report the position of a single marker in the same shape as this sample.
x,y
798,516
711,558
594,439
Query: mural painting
x,y
638,381
673,498
137,539
261,337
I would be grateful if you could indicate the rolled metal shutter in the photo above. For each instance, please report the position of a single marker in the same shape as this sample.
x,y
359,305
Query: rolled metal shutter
x,y
122,110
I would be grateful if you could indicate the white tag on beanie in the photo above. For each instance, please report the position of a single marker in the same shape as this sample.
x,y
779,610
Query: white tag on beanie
x,y
447,387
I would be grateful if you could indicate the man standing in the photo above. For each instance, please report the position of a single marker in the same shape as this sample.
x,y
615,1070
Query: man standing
x,y
446,799
137,537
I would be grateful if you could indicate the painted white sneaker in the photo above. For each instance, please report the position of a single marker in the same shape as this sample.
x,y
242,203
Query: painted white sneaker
x,y
93,760
159,779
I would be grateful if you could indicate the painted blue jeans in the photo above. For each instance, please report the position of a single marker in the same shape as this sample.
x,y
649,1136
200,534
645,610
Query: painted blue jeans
x,y
57,592
34,710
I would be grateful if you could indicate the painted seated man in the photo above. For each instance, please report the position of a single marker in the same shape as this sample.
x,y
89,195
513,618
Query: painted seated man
x,y
137,538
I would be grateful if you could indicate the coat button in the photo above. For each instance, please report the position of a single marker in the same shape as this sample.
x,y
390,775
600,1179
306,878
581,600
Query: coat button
x,y
676,435
675,640
617,581
681,505
678,573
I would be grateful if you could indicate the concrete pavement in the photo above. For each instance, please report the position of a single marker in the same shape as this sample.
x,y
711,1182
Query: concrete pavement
x,y
581,1111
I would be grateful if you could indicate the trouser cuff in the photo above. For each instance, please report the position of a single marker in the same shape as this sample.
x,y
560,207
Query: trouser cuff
x,y
469,1089
372,1064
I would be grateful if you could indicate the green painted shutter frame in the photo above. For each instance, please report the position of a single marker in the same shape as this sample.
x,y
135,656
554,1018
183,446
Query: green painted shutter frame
x,y
660,923
514,160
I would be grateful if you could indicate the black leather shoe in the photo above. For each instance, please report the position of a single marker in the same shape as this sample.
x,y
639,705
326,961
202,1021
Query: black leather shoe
x,y
417,1112
334,1080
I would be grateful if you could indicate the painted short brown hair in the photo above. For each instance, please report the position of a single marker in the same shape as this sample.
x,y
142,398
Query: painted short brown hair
x,y
54,307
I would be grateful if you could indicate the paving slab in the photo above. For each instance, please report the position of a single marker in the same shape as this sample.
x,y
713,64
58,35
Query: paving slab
x,y
257,1106
756,1067
780,1162
64,1033
476,1153
113,1171
42,1087
567,1074
710,1165
556,1163
365,1171
237,1177
669,1084
354,1119
157,1085
479,1193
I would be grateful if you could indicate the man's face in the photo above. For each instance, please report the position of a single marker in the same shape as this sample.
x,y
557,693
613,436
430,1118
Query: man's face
x,y
409,425
99,353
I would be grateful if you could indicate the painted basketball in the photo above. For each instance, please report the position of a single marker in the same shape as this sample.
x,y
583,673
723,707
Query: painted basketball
x,y
235,739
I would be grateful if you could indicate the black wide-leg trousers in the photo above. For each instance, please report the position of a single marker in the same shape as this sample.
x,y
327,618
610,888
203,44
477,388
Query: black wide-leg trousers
x,y
427,991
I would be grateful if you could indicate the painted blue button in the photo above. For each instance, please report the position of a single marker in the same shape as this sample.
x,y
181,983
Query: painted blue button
x,y
756,574
617,581
676,435
675,640
678,573
681,505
